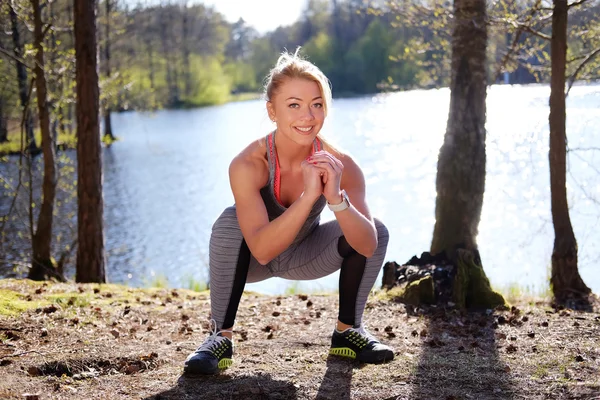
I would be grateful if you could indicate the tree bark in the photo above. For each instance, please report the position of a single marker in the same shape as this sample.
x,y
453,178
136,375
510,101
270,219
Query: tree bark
x,y
165,22
108,132
565,280
186,53
90,265
460,180
3,121
22,80
41,263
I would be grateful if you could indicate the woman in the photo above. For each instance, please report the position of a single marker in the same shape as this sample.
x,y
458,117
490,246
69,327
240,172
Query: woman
x,y
281,184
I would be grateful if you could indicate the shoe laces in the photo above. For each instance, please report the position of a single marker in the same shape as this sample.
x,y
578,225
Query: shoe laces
x,y
363,332
214,340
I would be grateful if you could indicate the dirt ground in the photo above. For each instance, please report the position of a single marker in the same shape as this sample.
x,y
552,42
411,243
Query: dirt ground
x,y
67,341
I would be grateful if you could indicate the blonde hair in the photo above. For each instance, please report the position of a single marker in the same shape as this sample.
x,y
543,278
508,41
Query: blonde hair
x,y
290,66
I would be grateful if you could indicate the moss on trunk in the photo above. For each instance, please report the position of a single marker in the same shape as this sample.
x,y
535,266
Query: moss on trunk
x,y
471,287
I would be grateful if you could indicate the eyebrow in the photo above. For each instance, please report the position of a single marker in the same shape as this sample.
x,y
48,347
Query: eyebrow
x,y
296,98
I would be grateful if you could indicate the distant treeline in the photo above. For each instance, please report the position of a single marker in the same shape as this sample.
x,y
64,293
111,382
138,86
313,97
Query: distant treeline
x,y
172,54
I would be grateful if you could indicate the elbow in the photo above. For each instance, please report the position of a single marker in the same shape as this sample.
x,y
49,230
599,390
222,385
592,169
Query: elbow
x,y
263,259
369,249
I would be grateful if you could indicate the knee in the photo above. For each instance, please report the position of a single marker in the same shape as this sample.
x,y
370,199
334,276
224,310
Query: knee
x,y
225,228
383,235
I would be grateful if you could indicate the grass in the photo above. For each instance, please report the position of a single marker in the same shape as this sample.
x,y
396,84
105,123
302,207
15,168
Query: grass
x,y
13,146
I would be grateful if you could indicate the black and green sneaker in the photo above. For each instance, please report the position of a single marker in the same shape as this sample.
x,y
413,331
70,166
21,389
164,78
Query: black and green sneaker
x,y
357,343
216,353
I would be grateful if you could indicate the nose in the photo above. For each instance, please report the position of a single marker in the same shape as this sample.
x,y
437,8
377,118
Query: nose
x,y
308,115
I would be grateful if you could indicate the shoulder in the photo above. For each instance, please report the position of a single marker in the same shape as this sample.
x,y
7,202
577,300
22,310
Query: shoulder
x,y
250,164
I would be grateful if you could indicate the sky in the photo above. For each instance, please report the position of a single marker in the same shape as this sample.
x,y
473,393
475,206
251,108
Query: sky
x,y
263,15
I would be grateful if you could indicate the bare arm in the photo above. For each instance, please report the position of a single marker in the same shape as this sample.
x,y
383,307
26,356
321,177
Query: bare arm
x,y
266,240
356,221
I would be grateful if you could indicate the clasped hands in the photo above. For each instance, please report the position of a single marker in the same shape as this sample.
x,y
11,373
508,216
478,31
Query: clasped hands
x,y
322,173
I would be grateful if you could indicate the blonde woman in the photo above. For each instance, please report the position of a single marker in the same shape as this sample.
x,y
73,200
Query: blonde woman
x,y
280,184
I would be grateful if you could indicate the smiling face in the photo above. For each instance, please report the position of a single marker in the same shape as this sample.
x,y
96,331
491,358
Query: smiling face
x,y
298,110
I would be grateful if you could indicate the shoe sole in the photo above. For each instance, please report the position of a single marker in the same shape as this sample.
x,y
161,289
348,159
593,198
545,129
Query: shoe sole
x,y
370,358
223,364
343,352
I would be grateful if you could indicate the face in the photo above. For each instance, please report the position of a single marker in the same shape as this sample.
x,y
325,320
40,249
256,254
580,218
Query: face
x,y
298,110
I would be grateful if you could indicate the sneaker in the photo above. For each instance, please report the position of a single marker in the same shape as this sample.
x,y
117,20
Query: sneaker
x,y
214,354
357,343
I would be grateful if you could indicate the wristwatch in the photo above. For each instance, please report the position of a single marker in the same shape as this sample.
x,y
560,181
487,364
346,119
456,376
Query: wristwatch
x,y
342,206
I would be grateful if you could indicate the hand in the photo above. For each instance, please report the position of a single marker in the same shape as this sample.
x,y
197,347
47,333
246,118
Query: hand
x,y
331,169
313,184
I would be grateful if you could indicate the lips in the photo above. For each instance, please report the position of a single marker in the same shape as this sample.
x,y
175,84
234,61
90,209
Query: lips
x,y
304,130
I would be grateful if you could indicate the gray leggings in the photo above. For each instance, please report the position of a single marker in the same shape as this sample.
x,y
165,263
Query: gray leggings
x,y
313,257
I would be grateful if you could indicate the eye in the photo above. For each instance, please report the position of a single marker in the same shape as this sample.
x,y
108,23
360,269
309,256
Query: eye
x,y
318,105
294,105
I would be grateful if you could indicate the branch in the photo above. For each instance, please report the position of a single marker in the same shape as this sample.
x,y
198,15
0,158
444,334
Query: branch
x,y
580,67
17,59
577,3
529,29
584,149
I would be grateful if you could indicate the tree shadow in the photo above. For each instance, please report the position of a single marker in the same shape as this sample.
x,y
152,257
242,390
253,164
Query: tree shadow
x,y
337,381
222,386
460,359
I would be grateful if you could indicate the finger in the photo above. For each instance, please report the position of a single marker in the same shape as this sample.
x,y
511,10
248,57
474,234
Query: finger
x,y
322,157
329,166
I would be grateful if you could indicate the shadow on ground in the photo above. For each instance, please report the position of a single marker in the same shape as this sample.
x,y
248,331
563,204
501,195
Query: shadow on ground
x,y
460,360
337,380
260,386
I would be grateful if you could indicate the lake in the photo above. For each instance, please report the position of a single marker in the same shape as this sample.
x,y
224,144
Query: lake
x,y
166,181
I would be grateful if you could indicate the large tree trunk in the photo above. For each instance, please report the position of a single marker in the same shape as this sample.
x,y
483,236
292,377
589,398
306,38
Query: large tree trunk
x,y
460,181
42,264
108,133
90,250
22,80
460,178
565,279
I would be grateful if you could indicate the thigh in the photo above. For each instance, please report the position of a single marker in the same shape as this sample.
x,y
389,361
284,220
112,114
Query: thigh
x,y
315,257
225,243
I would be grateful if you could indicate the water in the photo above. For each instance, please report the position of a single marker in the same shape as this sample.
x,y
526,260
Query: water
x,y
166,181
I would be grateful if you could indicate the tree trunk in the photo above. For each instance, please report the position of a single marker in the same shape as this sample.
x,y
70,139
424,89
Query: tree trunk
x,y
3,121
460,178
108,133
172,90
42,264
186,54
565,280
151,62
22,80
90,251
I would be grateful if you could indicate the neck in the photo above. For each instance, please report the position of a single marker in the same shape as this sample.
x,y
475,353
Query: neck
x,y
289,153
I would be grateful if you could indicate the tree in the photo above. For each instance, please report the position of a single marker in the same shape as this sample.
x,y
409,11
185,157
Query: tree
x,y
3,121
22,78
565,279
42,264
90,229
108,133
460,180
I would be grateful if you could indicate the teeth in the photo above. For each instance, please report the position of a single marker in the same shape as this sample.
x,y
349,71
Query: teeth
x,y
304,129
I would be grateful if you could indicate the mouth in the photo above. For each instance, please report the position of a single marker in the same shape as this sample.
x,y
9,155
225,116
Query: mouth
x,y
304,130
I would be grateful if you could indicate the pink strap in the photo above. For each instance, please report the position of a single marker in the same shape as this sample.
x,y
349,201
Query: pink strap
x,y
277,177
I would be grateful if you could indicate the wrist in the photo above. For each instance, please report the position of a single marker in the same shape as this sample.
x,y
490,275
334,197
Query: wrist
x,y
335,199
